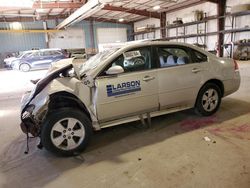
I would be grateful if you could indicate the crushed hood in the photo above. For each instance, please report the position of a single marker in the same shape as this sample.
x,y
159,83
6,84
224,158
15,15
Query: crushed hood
x,y
41,84
64,63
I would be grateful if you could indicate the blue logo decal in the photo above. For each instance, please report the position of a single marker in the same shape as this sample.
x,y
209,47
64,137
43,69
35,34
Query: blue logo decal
x,y
123,88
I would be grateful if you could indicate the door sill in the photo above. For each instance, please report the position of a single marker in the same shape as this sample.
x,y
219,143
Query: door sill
x,y
136,117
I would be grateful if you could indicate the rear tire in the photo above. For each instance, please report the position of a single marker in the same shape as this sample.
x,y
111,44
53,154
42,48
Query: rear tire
x,y
208,100
66,132
24,67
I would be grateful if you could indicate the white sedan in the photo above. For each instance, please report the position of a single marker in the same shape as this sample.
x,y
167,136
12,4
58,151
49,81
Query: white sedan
x,y
137,81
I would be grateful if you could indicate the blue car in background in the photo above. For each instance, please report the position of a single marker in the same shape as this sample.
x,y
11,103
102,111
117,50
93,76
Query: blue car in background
x,y
38,59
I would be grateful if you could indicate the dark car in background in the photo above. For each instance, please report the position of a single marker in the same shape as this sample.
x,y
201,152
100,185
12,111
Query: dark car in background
x,y
9,61
38,59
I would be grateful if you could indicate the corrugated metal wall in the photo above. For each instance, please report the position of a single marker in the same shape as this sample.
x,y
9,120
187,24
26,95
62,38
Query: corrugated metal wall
x,y
12,42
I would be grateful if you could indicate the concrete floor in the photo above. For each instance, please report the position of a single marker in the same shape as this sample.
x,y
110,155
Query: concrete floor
x,y
172,153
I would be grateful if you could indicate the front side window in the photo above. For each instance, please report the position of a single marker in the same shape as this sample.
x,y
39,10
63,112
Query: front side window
x,y
172,56
34,54
134,60
56,53
26,55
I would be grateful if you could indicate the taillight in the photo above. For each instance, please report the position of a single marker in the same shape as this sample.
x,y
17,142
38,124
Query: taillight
x,y
236,66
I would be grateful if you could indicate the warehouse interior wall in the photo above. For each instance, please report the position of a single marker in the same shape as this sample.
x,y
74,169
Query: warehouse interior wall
x,y
152,35
13,42
240,22
188,15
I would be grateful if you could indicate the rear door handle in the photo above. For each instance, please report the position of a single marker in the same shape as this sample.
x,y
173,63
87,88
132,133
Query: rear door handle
x,y
148,78
195,70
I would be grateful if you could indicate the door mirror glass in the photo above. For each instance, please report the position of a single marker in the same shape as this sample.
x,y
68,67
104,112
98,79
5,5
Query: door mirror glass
x,y
115,70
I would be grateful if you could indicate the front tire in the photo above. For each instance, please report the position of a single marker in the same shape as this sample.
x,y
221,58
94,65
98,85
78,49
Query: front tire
x,y
208,100
66,132
24,67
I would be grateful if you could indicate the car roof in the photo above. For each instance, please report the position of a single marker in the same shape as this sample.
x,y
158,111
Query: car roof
x,y
50,49
42,50
156,42
141,43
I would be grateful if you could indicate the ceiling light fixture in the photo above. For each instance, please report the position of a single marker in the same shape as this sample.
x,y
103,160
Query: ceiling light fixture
x,y
16,25
40,10
121,20
87,10
157,7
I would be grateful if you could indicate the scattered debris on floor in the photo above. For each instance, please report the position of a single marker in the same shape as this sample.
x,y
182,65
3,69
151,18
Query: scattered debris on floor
x,y
207,139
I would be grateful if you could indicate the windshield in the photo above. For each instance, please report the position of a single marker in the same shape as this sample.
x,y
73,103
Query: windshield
x,y
96,60
24,54
20,55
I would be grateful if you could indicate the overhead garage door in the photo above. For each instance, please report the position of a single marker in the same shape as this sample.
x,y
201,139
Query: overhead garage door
x,y
111,35
70,38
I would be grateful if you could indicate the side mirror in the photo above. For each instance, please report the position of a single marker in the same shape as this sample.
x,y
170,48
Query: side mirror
x,y
115,70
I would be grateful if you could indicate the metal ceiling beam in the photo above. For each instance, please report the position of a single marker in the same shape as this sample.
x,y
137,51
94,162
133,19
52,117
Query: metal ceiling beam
x,y
133,11
53,17
213,1
106,20
28,31
38,5
31,19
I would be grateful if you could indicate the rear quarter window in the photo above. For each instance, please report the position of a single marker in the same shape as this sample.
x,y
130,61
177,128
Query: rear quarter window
x,y
198,57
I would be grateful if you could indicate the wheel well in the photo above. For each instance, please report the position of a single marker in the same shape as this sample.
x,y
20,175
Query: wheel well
x,y
65,99
218,83
214,81
23,63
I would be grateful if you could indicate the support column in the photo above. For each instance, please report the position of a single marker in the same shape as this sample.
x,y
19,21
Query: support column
x,y
221,9
131,35
92,35
46,34
163,24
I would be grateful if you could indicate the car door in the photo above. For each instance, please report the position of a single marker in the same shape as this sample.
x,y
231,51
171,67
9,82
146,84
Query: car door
x,y
45,59
130,93
33,59
56,55
180,76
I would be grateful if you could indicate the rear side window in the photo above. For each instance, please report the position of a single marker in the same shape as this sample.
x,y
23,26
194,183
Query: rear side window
x,y
50,53
46,53
55,53
199,57
34,54
172,56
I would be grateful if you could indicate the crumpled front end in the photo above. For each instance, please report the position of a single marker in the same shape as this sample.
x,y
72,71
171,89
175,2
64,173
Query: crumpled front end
x,y
34,104
32,115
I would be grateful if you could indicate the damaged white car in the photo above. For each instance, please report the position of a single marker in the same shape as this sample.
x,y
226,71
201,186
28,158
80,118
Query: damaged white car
x,y
138,81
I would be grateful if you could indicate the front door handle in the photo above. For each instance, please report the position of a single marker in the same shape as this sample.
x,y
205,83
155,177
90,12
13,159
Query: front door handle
x,y
195,70
148,78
